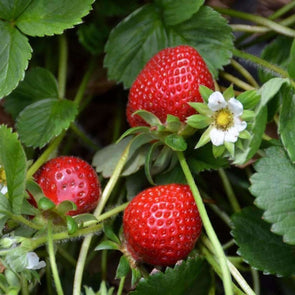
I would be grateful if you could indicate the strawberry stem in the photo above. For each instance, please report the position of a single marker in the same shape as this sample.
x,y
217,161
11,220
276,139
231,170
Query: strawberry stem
x,y
104,198
53,265
62,68
227,282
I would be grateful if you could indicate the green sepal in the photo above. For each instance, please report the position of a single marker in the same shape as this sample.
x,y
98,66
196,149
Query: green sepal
x,y
72,225
173,123
107,245
204,139
205,92
198,121
239,144
45,204
201,108
230,146
229,93
108,230
149,161
123,267
247,115
133,130
218,150
176,142
65,206
245,134
148,117
136,275
249,99
35,190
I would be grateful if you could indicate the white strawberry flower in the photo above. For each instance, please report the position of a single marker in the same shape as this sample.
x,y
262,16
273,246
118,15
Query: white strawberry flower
x,y
33,261
226,125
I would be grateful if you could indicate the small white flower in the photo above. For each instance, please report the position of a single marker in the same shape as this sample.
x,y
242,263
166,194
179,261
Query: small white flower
x,y
226,125
34,261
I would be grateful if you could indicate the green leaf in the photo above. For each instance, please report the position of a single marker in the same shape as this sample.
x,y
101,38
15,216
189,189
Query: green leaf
x,y
261,248
123,267
13,159
11,9
38,84
291,65
15,52
108,230
287,120
198,121
41,121
203,159
144,33
176,142
175,12
17,259
44,17
273,185
5,208
257,127
107,245
174,281
249,99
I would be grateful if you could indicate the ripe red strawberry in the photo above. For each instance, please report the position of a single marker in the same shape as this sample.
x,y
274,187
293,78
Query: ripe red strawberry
x,y
70,178
161,224
167,83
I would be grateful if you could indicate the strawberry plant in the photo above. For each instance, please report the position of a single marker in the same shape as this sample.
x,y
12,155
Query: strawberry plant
x,y
147,147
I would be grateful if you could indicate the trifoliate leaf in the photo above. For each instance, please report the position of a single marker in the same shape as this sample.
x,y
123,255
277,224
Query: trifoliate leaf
x,y
144,33
287,120
176,281
257,126
261,248
15,52
38,84
41,121
13,159
44,17
273,185
11,9
175,12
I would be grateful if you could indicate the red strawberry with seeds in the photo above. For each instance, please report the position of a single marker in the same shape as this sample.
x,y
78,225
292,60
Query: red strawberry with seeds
x,y
70,178
161,224
167,83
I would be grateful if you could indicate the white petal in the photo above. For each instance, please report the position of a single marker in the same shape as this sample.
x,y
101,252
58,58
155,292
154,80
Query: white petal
x,y
216,101
33,261
217,136
239,124
3,190
235,107
231,135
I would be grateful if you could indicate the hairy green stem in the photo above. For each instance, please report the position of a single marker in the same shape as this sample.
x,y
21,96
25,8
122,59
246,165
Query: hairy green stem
x,y
282,10
45,155
249,28
259,20
53,265
246,74
81,90
23,220
121,286
227,282
24,284
104,197
256,281
229,190
81,134
263,63
62,67
231,78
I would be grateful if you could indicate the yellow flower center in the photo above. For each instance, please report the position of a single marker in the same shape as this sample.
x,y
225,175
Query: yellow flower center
x,y
223,119
2,176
